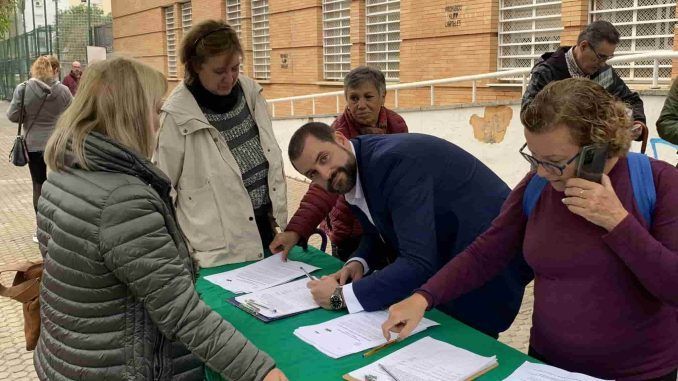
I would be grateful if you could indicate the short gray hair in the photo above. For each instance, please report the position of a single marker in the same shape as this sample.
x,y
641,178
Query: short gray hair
x,y
361,74
599,31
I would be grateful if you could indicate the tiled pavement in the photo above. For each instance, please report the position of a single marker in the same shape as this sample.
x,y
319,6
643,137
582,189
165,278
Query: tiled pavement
x,y
17,224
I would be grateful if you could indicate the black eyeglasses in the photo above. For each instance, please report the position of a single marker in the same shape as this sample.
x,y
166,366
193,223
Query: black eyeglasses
x,y
552,168
601,57
195,44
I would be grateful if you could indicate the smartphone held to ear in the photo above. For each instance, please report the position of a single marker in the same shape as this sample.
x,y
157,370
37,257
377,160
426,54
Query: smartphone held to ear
x,y
591,163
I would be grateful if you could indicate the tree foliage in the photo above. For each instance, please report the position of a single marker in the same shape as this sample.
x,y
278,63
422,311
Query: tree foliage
x,y
7,8
73,33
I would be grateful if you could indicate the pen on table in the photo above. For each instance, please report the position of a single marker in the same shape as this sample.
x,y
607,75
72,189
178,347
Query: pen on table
x,y
311,277
255,304
388,372
377,349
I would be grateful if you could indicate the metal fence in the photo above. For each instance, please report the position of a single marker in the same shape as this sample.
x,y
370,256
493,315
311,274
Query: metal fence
x,y
50,27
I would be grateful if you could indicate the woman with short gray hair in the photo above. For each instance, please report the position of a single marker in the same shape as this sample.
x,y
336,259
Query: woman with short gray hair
x,y
365,92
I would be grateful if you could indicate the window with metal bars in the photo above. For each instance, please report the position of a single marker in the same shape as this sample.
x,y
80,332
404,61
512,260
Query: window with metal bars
x,y
233,15
644,25
527,29
336,39
186,17
171,42
261,46
382,42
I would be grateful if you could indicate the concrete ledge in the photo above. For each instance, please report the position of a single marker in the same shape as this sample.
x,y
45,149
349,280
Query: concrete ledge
x,y
509,102
654,92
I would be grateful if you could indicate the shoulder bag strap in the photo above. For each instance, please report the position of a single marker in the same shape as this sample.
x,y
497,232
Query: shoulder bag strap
x,y
642,182
38,113
532,193
21,110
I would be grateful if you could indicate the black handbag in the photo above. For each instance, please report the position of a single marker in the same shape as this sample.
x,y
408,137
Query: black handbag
x,y
19,153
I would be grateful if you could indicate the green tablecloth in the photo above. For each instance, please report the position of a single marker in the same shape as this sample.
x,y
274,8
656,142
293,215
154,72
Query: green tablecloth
x,y
301,361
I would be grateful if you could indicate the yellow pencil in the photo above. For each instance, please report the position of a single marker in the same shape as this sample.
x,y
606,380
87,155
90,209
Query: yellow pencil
x,y
377,349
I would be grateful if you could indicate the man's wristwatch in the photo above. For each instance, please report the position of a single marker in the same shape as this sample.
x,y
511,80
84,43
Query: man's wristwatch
x,y
337,299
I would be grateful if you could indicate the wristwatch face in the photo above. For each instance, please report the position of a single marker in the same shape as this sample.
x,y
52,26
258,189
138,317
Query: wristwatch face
x,y
335,301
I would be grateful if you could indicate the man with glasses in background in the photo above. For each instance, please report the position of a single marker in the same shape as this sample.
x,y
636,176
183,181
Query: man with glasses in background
x,y
588,59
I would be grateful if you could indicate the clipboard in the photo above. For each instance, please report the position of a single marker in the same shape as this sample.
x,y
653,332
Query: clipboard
x,y
347,377
254,311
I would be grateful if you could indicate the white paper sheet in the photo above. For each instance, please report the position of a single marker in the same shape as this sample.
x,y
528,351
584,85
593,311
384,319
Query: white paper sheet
x,y
282,300
350,333
539,372
261,275
427,359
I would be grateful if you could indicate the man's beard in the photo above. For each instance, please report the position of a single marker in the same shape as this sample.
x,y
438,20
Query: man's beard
x,y
349,170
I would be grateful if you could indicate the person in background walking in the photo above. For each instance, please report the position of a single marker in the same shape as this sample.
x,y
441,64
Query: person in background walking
x,y
73,78
44,99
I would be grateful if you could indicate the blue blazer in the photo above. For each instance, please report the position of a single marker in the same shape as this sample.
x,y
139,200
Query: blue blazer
x,y
429,199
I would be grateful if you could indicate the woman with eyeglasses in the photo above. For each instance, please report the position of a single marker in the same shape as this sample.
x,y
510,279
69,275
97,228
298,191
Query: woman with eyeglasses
x,y
217,146
605,264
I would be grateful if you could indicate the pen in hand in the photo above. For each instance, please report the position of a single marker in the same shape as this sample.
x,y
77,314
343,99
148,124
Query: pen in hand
x,y
311,277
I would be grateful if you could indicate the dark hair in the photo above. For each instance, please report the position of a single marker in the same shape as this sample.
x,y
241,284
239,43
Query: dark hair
x,y
319,130
204,40
592,115
599,31
361,74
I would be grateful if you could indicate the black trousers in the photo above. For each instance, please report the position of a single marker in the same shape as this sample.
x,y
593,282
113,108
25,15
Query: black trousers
x,y
671,376
38,169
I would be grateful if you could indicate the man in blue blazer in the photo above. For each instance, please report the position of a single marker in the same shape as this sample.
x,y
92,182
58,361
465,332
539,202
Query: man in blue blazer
x,y
420,200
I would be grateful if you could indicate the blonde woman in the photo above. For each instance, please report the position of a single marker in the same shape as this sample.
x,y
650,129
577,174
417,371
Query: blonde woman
x,y
118,300
44,99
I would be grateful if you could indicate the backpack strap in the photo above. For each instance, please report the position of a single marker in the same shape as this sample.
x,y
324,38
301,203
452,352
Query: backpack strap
x,y
532,193
642,182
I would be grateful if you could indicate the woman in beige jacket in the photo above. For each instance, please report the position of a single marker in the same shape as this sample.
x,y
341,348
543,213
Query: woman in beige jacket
x,y
217,146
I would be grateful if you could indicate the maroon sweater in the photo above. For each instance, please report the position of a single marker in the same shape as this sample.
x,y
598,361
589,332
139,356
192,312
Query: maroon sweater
x,y
604,303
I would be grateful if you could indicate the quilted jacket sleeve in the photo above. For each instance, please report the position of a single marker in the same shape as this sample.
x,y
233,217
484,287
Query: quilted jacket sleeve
x,y
344,223
313,208
138,249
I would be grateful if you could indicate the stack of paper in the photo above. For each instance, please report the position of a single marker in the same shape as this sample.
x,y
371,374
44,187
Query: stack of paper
x,y
351,333
540,372
283,300
426,360
261,275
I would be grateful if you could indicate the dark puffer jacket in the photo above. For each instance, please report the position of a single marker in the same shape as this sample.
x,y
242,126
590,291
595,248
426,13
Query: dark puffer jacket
x,y
318,203
118,300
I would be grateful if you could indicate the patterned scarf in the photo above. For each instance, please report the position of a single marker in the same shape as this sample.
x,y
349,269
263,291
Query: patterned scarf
x,y
572,67
362,129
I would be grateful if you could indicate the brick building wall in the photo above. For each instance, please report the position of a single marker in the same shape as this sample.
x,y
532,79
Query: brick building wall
x,y
439,38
